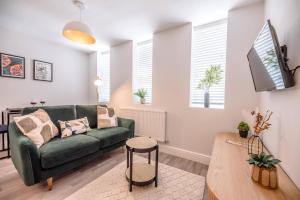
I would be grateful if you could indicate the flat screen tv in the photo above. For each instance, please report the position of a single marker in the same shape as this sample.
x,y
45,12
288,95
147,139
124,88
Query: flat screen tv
x,y
267,60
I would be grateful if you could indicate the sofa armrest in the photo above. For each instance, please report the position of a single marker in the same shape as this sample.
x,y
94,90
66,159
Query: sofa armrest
x,y
127,123
25,156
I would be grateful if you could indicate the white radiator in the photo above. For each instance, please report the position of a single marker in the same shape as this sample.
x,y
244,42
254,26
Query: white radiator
x,y
148,122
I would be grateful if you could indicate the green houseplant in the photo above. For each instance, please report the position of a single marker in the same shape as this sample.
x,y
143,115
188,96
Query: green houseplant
x,y
264,171
243,128
213,76
141,93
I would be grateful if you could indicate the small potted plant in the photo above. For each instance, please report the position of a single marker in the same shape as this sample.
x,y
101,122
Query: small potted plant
x,y
141,93
264,171
213,76
243,129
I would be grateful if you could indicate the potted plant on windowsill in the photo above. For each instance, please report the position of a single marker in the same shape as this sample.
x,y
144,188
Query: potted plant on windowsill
x,y
213,76
141,93
243,129
264,171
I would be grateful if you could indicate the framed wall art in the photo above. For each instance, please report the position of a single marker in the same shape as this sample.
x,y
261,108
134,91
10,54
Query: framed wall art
x,y
12,66
42,71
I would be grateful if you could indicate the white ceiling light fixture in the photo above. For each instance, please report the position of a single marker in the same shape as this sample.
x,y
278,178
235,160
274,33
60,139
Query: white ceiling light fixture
x,y
77,31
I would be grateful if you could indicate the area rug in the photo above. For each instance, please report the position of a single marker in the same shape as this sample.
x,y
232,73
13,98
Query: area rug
x,y
173,183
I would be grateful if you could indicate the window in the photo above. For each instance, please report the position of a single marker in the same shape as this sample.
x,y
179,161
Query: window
x,y
142,70
208,49
103,72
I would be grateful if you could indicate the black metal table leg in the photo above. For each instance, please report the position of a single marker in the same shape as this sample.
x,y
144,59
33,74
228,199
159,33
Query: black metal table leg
x,y
7,117
130,170
3,141
2,120
8,146
2,117
127,157
149,158
156,167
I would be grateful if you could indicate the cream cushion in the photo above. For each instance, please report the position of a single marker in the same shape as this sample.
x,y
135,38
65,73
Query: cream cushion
x,y
104,120
37,126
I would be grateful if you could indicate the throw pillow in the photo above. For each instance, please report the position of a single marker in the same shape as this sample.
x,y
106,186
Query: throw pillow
x,y
37,126
44,117
106,117
72,127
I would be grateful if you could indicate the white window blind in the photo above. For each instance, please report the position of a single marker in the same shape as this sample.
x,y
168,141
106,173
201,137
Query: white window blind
x,y
142,69
104,73
208,48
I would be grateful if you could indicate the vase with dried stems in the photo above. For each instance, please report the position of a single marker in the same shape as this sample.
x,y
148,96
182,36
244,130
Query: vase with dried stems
x,y
262,122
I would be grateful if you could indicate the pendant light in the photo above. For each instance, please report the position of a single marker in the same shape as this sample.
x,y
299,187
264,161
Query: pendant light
x,y
77,31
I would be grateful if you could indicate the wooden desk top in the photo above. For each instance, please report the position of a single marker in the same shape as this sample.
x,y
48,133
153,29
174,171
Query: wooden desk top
x,y
229,175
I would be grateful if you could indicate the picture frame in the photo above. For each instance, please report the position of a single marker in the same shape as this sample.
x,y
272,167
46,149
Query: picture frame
x,y
42,71
12,66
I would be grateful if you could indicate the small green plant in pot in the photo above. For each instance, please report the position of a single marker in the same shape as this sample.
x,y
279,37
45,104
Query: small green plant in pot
x,y
213,76
141,93
264,171
243,129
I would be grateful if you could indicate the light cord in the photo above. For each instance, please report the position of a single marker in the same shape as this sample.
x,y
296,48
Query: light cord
x,y
80,13
294,70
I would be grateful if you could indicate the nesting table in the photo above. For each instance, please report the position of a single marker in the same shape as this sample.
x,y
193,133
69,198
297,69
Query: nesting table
x,y
141,174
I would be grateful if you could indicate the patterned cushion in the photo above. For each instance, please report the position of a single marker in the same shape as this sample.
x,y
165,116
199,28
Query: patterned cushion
x,y
72,127
106,117
63,113
37,126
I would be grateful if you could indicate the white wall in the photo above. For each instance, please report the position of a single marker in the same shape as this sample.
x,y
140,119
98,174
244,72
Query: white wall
x,y
193,129
92,74
70,68
284,136
121,74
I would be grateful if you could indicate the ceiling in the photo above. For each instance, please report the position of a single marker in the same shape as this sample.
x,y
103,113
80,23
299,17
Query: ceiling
x,y
112,21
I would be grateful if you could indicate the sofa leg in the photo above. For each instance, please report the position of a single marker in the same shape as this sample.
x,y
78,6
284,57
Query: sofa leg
x,y
50,183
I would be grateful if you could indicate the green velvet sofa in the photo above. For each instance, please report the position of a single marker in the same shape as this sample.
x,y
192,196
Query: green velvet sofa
x,y
60,155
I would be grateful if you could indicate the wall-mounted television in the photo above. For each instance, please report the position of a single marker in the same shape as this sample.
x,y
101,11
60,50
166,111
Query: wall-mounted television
x,y
268,62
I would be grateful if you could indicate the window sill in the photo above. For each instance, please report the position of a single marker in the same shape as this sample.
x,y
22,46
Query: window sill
x,y
103,103
210,107
139,104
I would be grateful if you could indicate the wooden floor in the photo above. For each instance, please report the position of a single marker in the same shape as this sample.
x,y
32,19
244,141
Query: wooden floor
x,y
12,187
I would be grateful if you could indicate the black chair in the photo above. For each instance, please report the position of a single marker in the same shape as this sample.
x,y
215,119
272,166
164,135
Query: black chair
x,y
3,131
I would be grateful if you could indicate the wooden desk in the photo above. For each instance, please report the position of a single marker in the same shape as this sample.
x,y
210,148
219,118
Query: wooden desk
x,y
229,175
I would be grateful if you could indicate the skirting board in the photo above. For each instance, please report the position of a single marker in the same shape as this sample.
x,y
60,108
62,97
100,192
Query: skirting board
x,y
182,153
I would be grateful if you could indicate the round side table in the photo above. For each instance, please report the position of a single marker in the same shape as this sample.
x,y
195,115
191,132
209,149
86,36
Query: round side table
x,y
141,174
